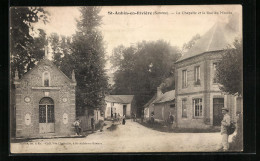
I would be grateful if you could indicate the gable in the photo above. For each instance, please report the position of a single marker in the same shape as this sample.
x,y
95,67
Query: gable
x,y
35,76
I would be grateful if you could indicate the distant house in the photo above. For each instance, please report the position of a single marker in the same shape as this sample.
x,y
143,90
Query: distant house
x,y
149,108
198,97
164,104
119,104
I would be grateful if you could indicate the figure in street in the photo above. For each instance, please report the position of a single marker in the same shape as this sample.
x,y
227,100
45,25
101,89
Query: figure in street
x,y
171,121
92,124
119,118
134,117
123,122
77,126
225,123
152,118
101,122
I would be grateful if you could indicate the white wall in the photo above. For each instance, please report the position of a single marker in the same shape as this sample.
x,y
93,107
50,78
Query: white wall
x,y
118,109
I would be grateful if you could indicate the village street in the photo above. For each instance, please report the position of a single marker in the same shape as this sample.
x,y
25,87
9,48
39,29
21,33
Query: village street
x,y
131,137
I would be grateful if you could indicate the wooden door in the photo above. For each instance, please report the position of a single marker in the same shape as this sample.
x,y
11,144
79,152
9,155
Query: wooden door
x,y
218,104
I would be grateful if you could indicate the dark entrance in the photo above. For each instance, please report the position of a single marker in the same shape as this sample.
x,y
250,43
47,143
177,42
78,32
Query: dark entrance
x,y
124,110
218,103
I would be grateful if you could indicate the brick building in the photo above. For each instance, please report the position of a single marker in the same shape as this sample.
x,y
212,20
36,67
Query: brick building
x,y
44,102
198,97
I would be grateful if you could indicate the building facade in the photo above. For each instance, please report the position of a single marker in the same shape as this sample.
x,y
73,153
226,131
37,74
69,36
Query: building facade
x,y
119,104
149,108
198,97
164,105
44,102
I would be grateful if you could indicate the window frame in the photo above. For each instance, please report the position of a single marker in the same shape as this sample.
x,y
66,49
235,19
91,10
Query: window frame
x,y
214,64
172,105
197,75
201,111
184,79
182,116
43,79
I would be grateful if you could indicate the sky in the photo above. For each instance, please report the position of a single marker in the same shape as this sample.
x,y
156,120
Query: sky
x,y
174,24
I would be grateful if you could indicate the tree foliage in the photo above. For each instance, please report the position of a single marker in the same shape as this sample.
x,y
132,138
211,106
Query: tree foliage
x,y
230,69
140,69
191,43
26,50
86,56
61,50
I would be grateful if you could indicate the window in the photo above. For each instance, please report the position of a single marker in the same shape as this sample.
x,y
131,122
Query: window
x,y
197,75
214,72
184,108
184,78
197,106
46,79
172,105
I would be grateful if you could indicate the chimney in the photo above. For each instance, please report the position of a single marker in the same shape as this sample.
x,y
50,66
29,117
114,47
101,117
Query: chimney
x,y
73,76
159,91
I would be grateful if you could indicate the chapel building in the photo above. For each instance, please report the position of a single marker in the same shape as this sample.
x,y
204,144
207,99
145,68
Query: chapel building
x,y
44,102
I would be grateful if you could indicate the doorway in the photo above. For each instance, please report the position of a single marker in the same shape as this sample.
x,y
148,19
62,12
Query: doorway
x,y
218,104
124,110
46,115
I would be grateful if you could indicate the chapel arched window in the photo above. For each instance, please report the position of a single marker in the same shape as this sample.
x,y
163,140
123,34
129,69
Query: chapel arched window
x,y
46,79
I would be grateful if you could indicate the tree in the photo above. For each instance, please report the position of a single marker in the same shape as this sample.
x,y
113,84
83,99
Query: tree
x,y
25,49
87,59
191,43
230,69
60,46
230,76
141,68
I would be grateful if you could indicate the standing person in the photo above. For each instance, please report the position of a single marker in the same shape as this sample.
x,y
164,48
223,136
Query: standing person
x,y
77,126
132,116
93,124
119,118
101,121
123,122
152,118
225,123
171,120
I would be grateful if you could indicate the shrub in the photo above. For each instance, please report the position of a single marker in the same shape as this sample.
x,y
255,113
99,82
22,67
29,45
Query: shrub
x,y
237,140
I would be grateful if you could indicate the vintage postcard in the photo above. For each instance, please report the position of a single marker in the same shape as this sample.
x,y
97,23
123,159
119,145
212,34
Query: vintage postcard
x,y
126,79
